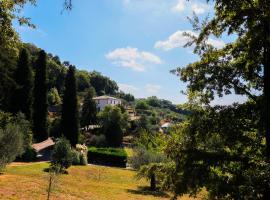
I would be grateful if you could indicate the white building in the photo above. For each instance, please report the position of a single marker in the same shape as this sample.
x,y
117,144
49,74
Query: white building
x,y
103,101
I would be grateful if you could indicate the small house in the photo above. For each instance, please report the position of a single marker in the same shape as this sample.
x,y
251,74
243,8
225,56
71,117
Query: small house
x,y
103,101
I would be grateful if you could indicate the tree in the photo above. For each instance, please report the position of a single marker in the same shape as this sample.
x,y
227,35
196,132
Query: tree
x,y
14,134
54,97
62,156
22,97
242,67
40,111
102,84
113,124
70,126
89,109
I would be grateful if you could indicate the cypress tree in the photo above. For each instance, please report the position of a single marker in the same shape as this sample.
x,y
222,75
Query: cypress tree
x,y
89,109
70,126
40,99
22,98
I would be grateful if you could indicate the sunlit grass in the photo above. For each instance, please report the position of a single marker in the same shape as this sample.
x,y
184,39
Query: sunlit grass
x,y
29,181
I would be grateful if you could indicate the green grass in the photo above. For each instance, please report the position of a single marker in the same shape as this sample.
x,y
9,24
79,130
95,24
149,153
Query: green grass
x,y
29,182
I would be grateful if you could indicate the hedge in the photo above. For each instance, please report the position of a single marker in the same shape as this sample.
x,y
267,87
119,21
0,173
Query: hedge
x,y
116,157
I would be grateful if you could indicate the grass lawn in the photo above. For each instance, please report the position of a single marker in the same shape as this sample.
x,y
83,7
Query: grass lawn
x,y
28,181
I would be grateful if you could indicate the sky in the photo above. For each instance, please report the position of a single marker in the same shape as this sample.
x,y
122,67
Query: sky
x,y
134,42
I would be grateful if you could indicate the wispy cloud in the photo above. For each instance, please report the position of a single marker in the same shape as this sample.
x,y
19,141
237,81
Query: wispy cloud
x,y
128,88
132,58
26,29
199,8
179,6
179,39
152,88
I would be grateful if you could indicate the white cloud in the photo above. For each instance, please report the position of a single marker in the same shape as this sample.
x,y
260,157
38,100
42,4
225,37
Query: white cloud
x,y
190,6
199,8
133,58
152,88
179,39
127,88
180,6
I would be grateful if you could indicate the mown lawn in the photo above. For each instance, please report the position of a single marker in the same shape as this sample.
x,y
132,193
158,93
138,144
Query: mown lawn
x,y
28,181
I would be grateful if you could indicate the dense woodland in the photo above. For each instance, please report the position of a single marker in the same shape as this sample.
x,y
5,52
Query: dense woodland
x,y
224,150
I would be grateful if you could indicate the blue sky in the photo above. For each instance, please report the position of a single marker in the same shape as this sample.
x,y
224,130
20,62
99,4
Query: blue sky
x,y
134,42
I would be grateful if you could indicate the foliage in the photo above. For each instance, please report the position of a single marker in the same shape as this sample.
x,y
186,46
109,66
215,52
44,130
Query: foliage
x,y
97,141
142,156
83,152
14,132
40,106
11,144
83,78
142,105
62,154
102,84
150,141
22,95
113,125
70,123
54,97
89,109
219,148
55,128
107,156
29,155
126,97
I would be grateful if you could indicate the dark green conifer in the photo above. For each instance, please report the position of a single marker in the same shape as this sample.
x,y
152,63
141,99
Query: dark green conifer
x,y
70,126
22,98
40,113
89,109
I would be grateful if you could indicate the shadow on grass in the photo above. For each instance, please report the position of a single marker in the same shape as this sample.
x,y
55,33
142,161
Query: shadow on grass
x,y
148,191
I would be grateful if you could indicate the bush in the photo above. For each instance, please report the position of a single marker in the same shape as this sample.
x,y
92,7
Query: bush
x,y
62,154
79,155
107,156
142,156
97,141
75,157
83,159
11,144
29,154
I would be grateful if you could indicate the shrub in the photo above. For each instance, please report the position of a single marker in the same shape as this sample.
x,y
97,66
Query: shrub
x,y
83,159
142,156
107,156
29,154
62,154
75,157
97,141
11,144
79,155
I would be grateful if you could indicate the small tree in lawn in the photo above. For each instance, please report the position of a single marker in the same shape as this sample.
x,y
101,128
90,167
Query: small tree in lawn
x,y
62,156
70,126
40,99
89,109
22,97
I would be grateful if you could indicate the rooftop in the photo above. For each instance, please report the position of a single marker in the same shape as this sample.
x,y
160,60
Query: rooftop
x,y
104,97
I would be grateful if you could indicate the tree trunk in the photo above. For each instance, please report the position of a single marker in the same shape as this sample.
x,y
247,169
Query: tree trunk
x,y
153,182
